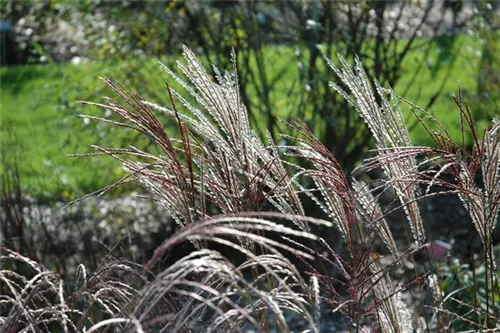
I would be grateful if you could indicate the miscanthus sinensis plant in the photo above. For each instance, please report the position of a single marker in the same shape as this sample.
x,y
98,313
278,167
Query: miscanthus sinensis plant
x,y
238,201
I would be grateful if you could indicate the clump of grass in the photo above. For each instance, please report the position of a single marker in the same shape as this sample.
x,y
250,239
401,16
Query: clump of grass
x,y
35,299
230,192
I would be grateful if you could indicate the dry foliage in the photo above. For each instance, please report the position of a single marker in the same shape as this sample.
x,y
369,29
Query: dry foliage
x,y
225,187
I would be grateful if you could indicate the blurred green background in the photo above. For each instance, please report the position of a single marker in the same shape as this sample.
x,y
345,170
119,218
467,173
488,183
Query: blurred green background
x,y
53,53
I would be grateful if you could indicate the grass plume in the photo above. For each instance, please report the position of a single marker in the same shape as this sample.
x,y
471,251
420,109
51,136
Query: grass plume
x,y
230,192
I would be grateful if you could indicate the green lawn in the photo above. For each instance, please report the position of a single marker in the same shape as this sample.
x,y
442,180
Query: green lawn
x,y
39,123
445,72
